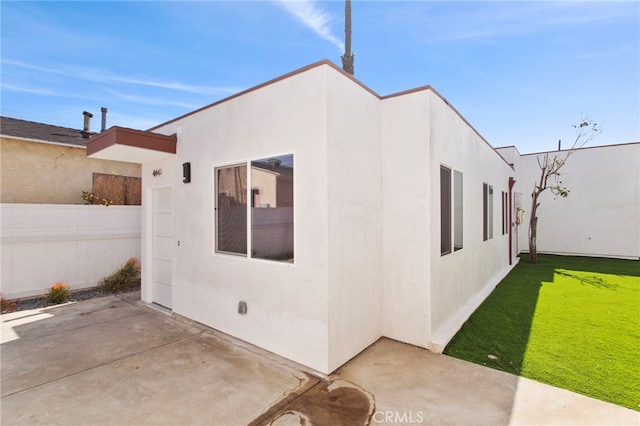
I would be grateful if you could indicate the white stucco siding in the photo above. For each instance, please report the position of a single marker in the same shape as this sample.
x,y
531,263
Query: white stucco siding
x,y
600,216
354,212
405,227
460,280
286,303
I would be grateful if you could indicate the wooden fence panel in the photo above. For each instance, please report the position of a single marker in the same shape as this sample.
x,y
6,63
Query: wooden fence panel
x,y
117,190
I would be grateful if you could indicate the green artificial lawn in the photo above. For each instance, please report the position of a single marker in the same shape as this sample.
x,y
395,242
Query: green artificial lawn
x,y
571,322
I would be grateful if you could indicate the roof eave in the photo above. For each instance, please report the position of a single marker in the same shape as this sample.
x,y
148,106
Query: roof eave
x,y
132,146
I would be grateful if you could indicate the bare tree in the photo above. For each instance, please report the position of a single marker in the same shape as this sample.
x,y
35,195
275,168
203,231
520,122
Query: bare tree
x,y
550,173
347,58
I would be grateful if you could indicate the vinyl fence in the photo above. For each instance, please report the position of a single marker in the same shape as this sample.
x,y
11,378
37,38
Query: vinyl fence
x,y
76,244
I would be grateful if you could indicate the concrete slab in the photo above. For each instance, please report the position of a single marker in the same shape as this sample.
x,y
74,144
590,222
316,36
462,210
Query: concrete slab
x,y
115,361
414,386
69,316
32,362
200,380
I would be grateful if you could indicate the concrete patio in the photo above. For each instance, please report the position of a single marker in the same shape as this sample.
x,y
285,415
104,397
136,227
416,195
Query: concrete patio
x,y
113,360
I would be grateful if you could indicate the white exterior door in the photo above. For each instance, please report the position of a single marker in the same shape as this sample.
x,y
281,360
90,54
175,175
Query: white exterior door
x,y
161,247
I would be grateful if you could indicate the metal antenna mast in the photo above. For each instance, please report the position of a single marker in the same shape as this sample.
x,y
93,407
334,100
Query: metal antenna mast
x,y
347,58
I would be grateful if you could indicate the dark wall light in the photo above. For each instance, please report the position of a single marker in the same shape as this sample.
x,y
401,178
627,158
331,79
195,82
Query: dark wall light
x,y
186,172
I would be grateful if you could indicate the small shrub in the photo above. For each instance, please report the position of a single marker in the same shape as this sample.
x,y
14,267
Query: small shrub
x,y
7,306
58,293
89,198
123,279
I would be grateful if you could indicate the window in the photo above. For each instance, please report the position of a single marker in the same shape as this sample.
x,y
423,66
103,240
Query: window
x,y
231,211
445,210
272,208
457,210
505,213
270,214
487,212
449,229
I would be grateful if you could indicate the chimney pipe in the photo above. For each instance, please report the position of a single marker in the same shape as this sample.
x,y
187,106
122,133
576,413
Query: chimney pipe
x,y
104,119
86,133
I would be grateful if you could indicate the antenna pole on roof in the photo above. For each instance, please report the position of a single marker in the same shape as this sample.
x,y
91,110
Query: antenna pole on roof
x,y
347,58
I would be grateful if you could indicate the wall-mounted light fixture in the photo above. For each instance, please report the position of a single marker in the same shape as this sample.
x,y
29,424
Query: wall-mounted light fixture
x,y
157,172
186,172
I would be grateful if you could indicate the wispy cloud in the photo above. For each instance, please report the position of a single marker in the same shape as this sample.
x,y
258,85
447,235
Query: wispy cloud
x,y
99,76
487,21
151,100
31,90
311,15
208,90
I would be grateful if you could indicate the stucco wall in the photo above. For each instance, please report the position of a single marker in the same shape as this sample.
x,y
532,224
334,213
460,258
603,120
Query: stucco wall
x,y
40,173
461,280
427,297
406,216
287,303
601,215
354,208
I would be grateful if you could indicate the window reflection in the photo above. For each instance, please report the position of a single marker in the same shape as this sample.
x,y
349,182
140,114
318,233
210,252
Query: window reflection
x,y
272,208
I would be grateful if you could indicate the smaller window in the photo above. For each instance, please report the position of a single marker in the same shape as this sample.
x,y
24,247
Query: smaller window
x,y
272,208
451,198
445,210
487,212
231,209
457,210
505,213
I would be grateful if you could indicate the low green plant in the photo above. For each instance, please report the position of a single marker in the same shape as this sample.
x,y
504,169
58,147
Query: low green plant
x,y
124,278
89,198
58,293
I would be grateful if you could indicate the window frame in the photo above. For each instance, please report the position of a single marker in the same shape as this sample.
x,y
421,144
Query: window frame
x,y
451,210
458,219
446,214
249,198
487,212
217,210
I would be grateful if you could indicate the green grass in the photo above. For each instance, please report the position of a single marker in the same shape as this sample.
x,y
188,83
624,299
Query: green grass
x,y
571,322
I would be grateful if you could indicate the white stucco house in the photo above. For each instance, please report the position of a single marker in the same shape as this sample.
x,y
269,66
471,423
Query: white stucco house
x,y
310,216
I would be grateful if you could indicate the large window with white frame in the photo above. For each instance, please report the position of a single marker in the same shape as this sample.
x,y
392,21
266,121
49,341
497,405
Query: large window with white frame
x,y
451,218
254,209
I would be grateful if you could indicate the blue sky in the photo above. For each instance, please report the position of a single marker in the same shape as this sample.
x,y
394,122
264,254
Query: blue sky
x,y
520,72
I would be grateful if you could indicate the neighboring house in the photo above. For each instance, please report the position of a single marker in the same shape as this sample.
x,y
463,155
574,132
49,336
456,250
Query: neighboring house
x,y
47,234
311,216
46,164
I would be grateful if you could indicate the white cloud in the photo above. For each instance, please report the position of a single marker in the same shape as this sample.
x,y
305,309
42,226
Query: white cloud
x,y
312,16
150,100
99,76
26,89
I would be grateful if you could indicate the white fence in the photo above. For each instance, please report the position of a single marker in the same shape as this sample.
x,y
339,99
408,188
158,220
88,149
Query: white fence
x,y
76,244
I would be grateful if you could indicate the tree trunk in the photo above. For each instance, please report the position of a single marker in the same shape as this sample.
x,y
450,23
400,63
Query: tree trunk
x,y
533,229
